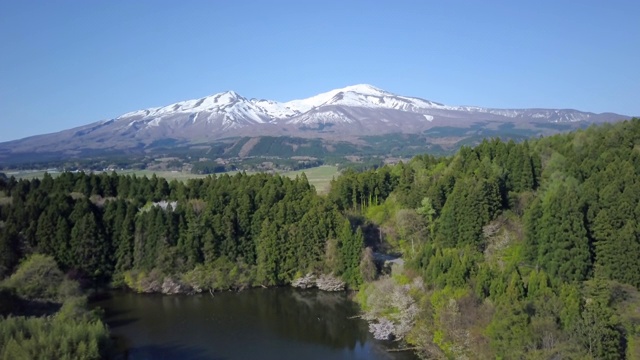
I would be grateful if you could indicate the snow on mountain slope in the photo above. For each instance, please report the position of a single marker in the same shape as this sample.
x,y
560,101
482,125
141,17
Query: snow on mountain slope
x,y
276,110
549,115
346,113
364,95
237,110
304,105
229,110
233,109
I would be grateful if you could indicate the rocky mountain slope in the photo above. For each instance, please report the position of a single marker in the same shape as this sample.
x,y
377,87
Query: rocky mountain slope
x,y
341,114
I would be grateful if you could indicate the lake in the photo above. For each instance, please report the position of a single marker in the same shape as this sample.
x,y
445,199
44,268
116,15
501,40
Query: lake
x,y
274,323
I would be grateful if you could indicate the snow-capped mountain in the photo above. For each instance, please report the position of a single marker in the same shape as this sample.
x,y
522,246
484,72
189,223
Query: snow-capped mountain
x,y
345,113
235,110
228,108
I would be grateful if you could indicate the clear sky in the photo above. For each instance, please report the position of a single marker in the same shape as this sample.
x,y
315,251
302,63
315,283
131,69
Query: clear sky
x,y
69,63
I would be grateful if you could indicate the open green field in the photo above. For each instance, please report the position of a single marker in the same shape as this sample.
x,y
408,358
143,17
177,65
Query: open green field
x,y
320,176
28,175
169,175
4,199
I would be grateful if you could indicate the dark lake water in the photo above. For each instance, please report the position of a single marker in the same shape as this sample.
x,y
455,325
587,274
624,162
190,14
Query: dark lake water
x,y
278,323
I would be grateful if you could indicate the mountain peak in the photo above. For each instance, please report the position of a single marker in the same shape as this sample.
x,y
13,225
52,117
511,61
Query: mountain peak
x,y
223,98
365,89
307,104
352,111
229,93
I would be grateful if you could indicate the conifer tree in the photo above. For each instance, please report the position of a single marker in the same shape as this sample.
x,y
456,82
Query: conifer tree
x,y
564,249
350,251
90,249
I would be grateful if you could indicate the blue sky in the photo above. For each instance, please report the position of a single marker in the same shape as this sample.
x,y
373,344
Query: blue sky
x,y
69,63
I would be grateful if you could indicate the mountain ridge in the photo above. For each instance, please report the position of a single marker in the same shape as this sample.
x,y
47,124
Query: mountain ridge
x,y
344,113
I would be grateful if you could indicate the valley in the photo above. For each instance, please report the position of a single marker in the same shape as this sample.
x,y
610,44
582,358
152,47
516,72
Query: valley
x,y
320,177
508,250
319,180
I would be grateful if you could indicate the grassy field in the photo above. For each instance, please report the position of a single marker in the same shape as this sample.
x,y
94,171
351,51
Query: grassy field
x,y
28,175
320,176
4,199
169,175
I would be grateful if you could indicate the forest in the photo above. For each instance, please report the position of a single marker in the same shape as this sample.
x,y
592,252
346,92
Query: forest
x,y
511,250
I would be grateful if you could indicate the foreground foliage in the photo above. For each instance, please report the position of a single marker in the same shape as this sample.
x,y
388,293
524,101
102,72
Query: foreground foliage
x,y
51,338
44,316
526,250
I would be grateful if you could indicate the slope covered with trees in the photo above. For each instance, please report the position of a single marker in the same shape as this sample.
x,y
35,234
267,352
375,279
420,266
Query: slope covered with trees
x,y
511,250
526,250
44,315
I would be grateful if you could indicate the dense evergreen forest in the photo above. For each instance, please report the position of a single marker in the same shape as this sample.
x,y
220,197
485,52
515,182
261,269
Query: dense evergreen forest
x,y
511,250
213,233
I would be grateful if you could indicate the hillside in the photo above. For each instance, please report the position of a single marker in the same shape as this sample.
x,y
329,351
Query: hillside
x,y
509,250
354,115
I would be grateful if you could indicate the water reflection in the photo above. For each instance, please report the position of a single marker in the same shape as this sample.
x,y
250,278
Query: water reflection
x,y
253,324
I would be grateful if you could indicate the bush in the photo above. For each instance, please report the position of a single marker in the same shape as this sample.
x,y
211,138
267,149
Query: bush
x,y
38,277
52,338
